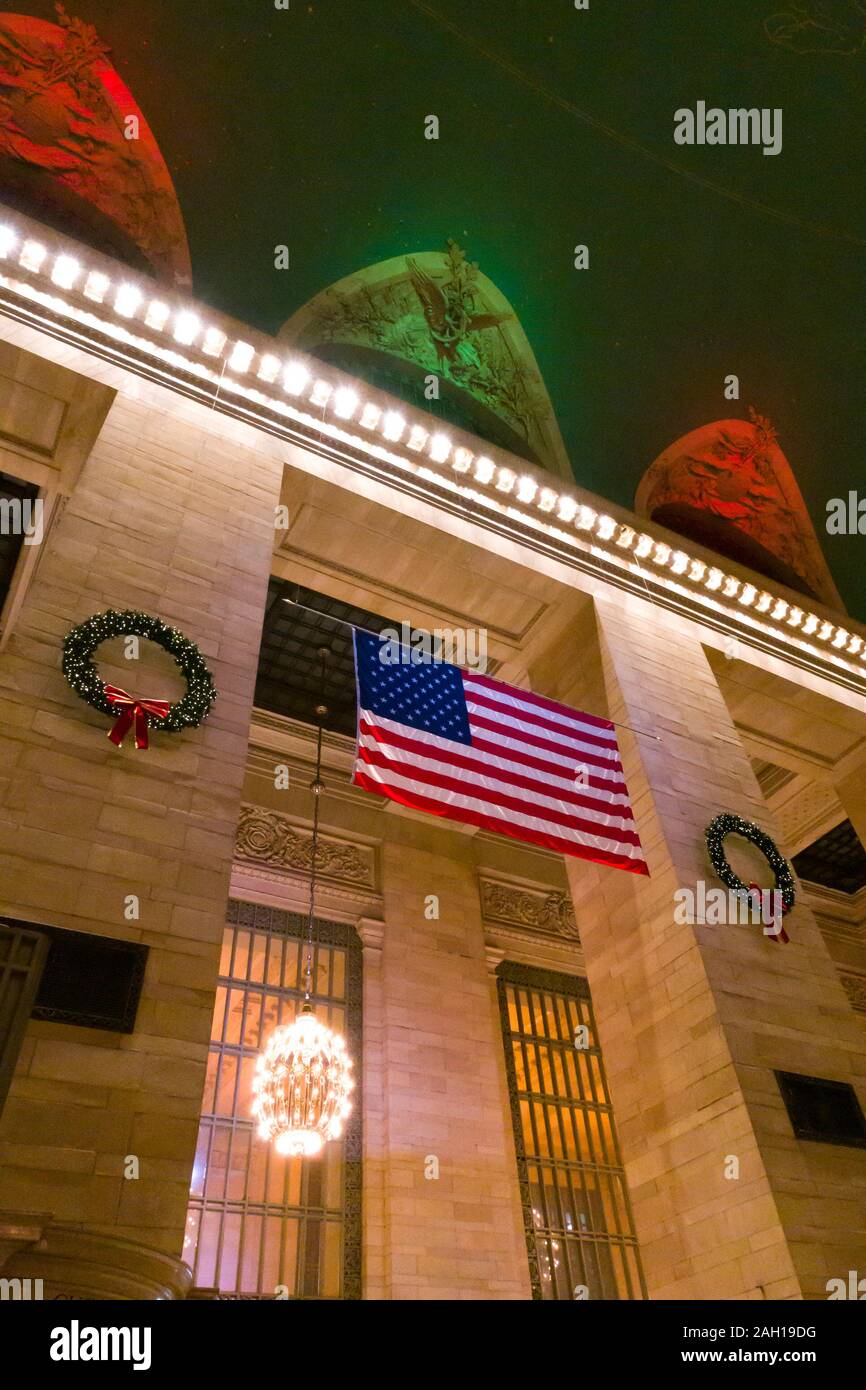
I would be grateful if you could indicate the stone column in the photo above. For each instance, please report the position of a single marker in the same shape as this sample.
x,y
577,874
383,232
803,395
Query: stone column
x,y
694,1019
458,1235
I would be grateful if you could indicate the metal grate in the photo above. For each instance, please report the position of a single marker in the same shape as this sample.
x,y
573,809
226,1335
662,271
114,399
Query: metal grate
x,y
837,860
22,957
12,490
260,1225
577,1216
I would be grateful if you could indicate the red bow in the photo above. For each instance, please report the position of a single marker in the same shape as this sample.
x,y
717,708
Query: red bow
x,y
781,934
133,712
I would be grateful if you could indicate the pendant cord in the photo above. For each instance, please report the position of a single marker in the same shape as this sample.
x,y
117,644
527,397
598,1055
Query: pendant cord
x,y
316,787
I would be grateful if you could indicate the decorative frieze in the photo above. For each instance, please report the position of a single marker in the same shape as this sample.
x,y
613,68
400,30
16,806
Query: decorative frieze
x,y
855,988
266,837
549,912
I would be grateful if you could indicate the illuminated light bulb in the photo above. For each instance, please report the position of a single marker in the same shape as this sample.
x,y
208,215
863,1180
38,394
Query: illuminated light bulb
x,y
697,570
484,469
8,240
321,392
841,637
418,437
764,601
393,426
661,553
214,342
33,253
242,357
370,416
462,460
302,1086
644,547
269,368
679,562
779,610
626,537
567,509
127,300
824,631
795,617
295,378
747,597
731,586
854,645
345,403
187,327
606,527
65,272
586,518
714,579
526,489
505,480
157,312
547,499
440,448
96,286
810,625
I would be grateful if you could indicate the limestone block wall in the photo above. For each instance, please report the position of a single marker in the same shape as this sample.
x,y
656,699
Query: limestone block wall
x,y
172,514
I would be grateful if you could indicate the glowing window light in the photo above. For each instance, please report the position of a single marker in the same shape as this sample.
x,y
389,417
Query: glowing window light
x,y
301,1086
606,527
841,637
214,342
484,469
731,586
697,570
295,378
33,253
679,562
824,631
418,437
242,357
462,460
370,416
586,518
764,601
187,327
8,240
661,553
393,426
644,547
321,392
567,509
345,403
157,313
505,479
547,499
526,489
854,645
626,537
440,448
779,610
795,617
714,579
269,368
65,272
127,300
96,286
747,597
810,625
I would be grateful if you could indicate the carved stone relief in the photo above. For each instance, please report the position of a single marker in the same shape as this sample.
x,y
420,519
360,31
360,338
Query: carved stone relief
x,y
549,912
266,837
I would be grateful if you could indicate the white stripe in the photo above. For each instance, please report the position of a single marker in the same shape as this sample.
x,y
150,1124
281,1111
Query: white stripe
x,y
470,803
568,765
511,699
480,782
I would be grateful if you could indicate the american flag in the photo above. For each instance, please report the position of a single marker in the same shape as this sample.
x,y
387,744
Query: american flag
x,y
461,745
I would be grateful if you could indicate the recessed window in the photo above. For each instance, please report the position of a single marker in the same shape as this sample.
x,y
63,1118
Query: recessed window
x,y
16,504
827,1112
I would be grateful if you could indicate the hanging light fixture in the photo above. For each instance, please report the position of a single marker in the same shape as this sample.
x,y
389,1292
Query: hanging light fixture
x,y
303,1077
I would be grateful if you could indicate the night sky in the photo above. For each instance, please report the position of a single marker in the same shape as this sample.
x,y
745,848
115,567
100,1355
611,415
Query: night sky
x,y
305,127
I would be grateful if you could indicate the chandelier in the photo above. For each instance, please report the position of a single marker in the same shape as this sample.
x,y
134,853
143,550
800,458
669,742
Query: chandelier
x,y
303,1081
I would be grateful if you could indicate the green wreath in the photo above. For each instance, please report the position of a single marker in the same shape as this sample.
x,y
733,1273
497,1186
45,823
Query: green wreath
x,y
728,824
189,712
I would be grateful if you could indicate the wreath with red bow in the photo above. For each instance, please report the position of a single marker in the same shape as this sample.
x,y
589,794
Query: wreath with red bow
x,y
132,711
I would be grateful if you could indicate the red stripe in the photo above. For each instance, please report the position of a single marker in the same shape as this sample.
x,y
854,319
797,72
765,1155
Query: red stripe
x,y
536,741
471,678
495,798
551,842
536,721
456,758
487,745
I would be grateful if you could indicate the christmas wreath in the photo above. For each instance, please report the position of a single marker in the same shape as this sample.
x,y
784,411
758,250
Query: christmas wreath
x,y
130,711
728,824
